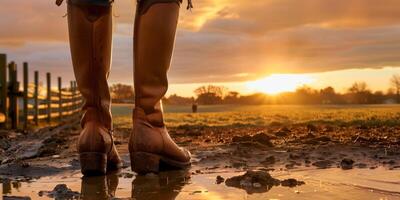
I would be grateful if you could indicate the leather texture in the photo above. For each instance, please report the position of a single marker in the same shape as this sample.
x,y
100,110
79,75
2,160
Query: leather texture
x,y
90,31
154,39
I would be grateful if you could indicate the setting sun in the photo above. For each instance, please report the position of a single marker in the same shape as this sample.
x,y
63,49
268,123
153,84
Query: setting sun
x,y
278,83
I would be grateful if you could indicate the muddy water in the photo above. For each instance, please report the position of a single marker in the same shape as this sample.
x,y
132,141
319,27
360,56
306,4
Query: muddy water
x,y
332,183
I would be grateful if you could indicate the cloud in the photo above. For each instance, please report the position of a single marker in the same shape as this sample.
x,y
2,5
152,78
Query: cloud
x,y
263,16
226,40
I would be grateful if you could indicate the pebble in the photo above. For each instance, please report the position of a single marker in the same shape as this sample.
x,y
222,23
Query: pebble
x,y
220,179
347,163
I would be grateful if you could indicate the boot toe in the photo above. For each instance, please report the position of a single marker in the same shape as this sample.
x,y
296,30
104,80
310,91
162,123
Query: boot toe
x,y
187,155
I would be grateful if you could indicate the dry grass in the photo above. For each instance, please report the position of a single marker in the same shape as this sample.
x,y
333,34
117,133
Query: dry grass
x,y
233,115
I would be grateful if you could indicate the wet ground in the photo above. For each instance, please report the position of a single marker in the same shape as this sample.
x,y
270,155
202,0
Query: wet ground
x,y
303,161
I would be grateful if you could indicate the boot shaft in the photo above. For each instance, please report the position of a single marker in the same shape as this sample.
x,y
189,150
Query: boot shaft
x,y
90,33
154,39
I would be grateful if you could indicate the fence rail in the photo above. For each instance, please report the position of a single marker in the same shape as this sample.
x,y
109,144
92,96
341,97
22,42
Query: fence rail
x,y
38,103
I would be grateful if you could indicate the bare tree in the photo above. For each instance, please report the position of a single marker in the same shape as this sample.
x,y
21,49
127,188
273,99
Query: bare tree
x,y
217,90
359,92
395,82
210,94
122,92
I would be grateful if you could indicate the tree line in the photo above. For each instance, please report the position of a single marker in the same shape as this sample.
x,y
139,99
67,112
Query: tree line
x,y
357,93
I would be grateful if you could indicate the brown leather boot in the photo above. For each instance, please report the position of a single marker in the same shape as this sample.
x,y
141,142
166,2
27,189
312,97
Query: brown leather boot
x,y
151,148
90,33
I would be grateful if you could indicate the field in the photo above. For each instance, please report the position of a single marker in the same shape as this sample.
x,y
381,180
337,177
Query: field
x,y
264,115
306,152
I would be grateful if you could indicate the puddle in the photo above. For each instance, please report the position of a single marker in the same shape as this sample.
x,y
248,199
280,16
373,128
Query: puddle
x,y
332,183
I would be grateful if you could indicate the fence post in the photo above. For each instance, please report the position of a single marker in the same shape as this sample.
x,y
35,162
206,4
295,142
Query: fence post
x,y
59,99
13,110
3,82
48,80
25,95
36,100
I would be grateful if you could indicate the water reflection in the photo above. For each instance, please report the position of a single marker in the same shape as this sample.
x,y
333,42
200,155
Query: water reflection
x,y
165,186
8,185
99,187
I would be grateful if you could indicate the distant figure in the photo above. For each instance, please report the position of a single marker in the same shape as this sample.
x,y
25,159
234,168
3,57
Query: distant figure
x,y
90,34
194,107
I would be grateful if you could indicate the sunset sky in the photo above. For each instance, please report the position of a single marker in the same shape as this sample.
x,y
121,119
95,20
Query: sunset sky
x,y
248,46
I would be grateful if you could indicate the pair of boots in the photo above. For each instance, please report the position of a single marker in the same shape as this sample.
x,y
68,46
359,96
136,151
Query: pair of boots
x,y
165,186
90,31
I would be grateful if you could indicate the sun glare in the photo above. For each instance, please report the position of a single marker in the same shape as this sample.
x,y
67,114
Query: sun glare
x,y
278,83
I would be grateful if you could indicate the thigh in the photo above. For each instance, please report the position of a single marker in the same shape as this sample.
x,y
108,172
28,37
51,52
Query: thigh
x,y
144,5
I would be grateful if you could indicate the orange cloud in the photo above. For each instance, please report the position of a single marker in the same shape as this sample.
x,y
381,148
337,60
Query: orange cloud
x,y
230,37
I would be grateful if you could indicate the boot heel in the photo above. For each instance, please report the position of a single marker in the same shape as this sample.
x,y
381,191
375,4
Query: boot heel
x,y
143,163
93,163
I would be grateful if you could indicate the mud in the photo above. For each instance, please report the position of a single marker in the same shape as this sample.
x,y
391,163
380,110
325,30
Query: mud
x,y
61,191
265,158
253,182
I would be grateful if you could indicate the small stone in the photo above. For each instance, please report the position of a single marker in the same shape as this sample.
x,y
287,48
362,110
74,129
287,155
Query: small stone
x,y
347,163
253,181
220,179
61,191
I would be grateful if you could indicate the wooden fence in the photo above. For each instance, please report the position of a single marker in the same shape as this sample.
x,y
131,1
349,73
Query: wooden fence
x,y
39,104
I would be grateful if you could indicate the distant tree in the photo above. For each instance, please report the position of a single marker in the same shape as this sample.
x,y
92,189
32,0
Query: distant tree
x,y
328,95
232,97
359,93
217,90
377,97
358,87
174,99
122,92
306,95
210,94
395,82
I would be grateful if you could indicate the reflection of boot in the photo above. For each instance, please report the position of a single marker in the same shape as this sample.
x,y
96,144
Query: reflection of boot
x,y
94,187
90,31
165,186
112,183
150,142
99,187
